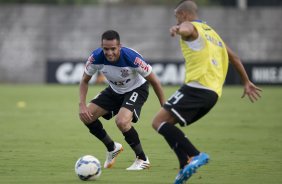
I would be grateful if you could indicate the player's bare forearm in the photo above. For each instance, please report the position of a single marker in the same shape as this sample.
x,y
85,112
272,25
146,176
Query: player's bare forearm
x,y
159,92
236,62
250,89
83,88
84,113
157,87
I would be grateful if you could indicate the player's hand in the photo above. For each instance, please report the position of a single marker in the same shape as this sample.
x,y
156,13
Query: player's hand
x,y
174,30
252,91
84,113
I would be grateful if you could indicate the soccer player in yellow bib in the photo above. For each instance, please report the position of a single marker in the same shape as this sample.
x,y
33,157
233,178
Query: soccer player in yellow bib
x,y
206,61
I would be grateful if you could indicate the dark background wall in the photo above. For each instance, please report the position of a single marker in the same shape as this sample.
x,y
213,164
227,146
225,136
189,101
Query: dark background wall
x,y
31,35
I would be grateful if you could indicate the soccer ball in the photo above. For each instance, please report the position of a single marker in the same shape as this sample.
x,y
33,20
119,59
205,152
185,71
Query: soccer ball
x,y
88,167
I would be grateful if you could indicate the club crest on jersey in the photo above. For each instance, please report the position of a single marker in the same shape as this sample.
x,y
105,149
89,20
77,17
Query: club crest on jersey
x,y
124,73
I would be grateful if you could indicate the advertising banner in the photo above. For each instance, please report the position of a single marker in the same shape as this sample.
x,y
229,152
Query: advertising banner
x,y
169,73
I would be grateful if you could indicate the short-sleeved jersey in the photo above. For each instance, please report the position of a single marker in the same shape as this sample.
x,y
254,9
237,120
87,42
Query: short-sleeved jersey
x,y
206,58
126,74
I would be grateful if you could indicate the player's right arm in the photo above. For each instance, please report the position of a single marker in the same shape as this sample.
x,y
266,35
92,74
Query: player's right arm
x,y
186,30
84,114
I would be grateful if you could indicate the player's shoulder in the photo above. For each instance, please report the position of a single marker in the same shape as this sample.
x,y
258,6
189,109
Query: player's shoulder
x,y
129,52
98,52
202,25
97,56
131,56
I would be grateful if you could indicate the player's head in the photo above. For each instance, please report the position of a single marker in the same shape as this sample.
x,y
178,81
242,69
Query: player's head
x,y
186,10
111,45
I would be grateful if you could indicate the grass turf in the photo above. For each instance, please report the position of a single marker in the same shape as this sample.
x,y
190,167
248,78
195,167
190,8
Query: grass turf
x,y
40,143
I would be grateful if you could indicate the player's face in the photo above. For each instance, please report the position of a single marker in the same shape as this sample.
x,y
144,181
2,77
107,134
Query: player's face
x,y
111,49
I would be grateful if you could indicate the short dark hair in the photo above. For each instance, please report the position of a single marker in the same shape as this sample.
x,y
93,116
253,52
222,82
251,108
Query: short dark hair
x,y
187,6
110,35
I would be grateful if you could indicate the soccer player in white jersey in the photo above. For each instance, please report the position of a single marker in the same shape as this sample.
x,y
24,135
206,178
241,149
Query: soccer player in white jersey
x,y
127,74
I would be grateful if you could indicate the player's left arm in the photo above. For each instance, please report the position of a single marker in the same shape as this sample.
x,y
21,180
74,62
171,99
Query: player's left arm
x,y
154,81
250,89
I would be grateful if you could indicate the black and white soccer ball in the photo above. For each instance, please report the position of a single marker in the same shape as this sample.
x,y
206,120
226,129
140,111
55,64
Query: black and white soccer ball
x,y
88,167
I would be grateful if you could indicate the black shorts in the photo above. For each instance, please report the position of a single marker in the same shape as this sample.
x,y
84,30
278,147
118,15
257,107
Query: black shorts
x,y
111,101
188,104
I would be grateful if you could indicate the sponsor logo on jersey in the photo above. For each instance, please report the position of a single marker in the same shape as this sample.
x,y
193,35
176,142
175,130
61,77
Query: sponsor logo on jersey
x,y
139,62
120,83
213,40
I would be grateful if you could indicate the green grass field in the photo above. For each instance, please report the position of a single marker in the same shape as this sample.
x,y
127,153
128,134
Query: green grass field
x,y
40,143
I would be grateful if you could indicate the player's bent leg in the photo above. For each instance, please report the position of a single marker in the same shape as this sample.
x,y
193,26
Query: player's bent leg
x,y
96,111
162,123
123,119
96,128
162,116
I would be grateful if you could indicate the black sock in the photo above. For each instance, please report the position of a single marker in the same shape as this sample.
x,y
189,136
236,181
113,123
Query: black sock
x,y
132,138
180,153
182,147
182,156
96,128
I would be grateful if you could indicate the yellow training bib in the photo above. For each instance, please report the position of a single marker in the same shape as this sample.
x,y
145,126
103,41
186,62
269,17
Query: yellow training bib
x,y
206,58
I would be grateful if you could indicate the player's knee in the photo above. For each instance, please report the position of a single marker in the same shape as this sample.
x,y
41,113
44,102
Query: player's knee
x,y
88,121
122,123
155,123
83,121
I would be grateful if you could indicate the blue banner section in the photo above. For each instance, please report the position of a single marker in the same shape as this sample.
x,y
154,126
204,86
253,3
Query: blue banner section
x,y
169,73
